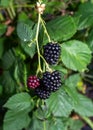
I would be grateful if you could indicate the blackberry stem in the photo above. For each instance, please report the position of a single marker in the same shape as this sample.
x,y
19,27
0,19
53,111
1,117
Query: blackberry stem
x,y
37,33
47,66
45,30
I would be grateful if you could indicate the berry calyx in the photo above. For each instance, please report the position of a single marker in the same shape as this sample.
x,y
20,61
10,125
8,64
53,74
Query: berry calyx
x,y
52,81
33,82
52,53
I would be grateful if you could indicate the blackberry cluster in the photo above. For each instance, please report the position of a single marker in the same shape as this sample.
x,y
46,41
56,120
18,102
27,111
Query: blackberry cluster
x,y
33,82
52,53
50,82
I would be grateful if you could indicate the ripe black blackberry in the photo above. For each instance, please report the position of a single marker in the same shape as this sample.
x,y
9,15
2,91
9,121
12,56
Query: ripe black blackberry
x,y
42,93
52,53
52,81
33,82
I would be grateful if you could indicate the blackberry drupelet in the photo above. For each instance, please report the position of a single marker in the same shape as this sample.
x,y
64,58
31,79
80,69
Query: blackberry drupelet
x,y
52,53
42,93
52,81
33,82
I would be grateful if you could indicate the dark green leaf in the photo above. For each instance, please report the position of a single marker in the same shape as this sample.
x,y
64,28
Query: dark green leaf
x,y
2,29
8,59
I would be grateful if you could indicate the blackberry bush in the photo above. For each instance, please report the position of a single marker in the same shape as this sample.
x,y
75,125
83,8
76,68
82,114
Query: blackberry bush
x,y
54,46
52,53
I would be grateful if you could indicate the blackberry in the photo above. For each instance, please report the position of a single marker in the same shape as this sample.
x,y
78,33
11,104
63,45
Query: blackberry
x,y
33,82
52,81
52,53
42,93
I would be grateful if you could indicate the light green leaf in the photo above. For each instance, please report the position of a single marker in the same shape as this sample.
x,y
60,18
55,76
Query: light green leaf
x,y
19,102
59,103
16,120
61,28
75,55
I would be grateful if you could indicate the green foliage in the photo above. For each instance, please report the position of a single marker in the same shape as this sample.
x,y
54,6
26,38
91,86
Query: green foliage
x,y
59,104
75,55
17,117
21,55
61,28
2,29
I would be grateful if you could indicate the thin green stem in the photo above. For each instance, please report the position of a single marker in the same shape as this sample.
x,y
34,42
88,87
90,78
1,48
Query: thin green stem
x,y
88,121
44,124
37,33
45,30
47,66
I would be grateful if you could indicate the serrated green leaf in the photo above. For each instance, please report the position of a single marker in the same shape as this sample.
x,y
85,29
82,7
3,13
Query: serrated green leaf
x,y
86,15
16,120
61,28
19,102
59,103
25,31
75,55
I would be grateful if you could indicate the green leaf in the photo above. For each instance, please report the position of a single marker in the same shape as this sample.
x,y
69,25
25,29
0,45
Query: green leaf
x,y
1,47
86,15
50,124
19,102
5,3
2,29
25,31
30,50
59,103
16,120
81,104
75,55
90,40
8,82
84,107
61,28
8,59
1,90
75,124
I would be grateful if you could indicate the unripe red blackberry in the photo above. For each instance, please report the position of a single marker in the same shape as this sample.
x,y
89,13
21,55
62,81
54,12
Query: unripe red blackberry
x,y
52,53
33,82
51,81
